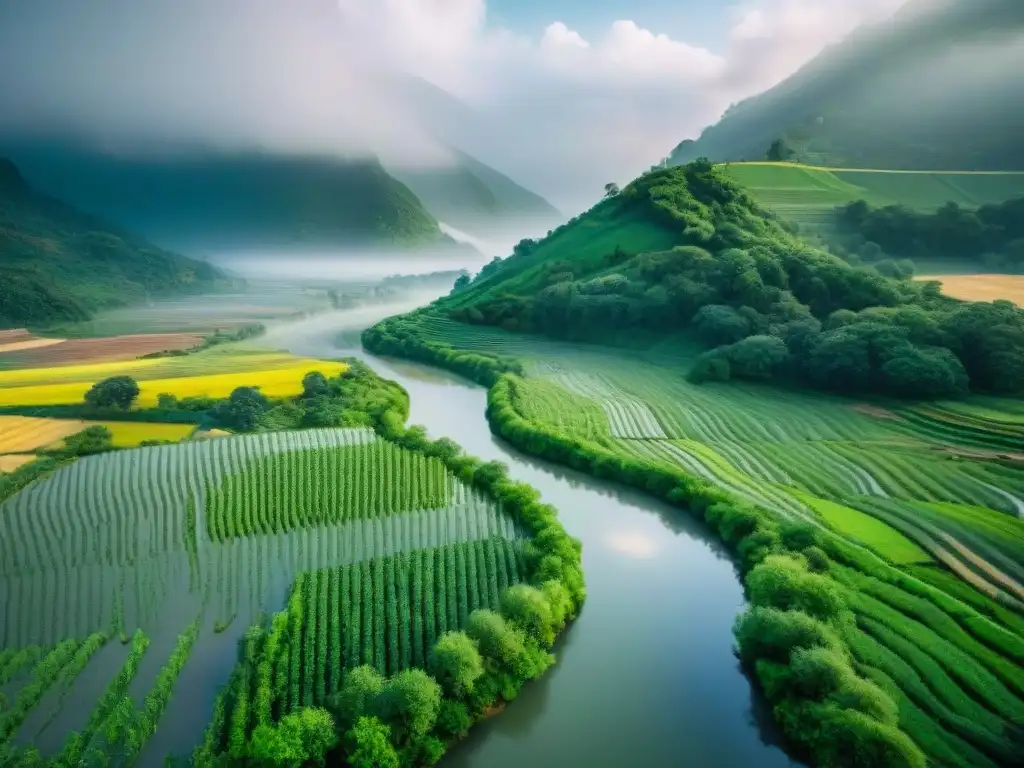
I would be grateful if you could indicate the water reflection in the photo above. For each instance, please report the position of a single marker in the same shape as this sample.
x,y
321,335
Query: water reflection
x,y
646,676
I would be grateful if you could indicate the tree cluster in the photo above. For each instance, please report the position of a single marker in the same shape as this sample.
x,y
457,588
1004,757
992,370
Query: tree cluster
x,y
797,313
991,236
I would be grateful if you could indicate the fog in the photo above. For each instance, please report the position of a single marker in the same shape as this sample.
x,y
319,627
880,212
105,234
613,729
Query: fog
x,y
142,76
341,265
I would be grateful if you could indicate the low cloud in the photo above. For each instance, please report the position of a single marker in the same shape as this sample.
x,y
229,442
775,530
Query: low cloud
x,y
559,112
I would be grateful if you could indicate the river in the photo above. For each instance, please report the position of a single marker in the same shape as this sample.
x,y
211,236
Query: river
x,y
646,675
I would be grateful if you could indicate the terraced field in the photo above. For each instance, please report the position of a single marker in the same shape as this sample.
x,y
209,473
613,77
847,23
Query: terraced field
x,y
178,549
809,194
916,471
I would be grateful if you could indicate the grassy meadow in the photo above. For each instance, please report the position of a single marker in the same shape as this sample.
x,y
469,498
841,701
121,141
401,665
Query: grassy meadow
x,y
808,195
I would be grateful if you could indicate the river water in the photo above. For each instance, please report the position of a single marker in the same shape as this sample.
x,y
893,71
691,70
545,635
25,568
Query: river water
x,y
646,675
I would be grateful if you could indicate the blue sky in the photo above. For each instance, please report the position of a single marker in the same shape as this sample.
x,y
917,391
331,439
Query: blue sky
x,y
704,22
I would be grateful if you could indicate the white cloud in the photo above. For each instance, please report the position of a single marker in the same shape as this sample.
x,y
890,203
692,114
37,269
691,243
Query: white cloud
x,y
562,113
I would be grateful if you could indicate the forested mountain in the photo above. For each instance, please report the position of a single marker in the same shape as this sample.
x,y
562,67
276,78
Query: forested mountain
x,y
476,198
57,263
686,251
210,199
936,87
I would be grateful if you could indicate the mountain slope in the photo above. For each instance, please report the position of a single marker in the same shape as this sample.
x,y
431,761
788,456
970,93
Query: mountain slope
x,y
850,106
61,264
474,197
212,199
686,251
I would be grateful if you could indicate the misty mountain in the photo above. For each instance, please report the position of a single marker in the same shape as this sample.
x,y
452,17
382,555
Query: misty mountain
x,y
476,198
467,192
213,199
61,264
936,87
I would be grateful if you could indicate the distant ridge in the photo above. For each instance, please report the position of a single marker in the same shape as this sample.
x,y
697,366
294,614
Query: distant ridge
x,y
59,264
849,106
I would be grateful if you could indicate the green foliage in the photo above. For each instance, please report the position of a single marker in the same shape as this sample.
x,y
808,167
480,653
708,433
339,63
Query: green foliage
x,y
409,704
455,663
992,235
95,439
243,409
361,688
301,738
740,282
115,392
60,264
368,745
529,609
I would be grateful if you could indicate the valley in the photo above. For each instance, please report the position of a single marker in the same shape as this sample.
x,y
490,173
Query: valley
x,y
326,439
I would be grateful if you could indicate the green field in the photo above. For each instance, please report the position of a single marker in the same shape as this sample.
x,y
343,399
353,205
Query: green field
x,y
923,502
199,539
808,194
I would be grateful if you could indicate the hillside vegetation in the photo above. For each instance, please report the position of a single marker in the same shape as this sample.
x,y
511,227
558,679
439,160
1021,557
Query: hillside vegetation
x,y
849,105
59,264
991,236
687,250
808,195
233,199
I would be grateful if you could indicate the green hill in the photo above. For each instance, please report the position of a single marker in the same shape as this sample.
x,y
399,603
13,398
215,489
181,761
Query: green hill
x,y
809,195
57,263
936,87
476,198
210,199
686,252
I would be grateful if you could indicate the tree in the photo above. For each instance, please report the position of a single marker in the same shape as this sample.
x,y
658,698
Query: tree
x,y
368,745
302,737
115,392
611,189
166,402
528,608
314,384
756,357
409,704
243,409
455,663
356,698
95,439
462,281
721,324
779,152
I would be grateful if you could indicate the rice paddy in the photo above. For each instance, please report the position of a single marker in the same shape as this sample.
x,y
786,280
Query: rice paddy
x,y
156,546
923,504
809,194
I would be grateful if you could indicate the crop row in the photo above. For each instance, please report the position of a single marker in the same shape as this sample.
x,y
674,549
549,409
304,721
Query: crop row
x,y
78,743
386,613
578,416
61,665
301,489
117,507
628,417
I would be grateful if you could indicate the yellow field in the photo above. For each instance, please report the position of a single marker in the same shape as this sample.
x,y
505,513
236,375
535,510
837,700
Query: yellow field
x,y
15,460
129,434
981,287
275,382
20,434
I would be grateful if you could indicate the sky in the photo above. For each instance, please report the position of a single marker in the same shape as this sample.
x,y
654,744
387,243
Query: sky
x,y
568,94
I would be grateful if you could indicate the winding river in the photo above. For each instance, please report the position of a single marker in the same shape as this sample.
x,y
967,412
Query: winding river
x,y
646,675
